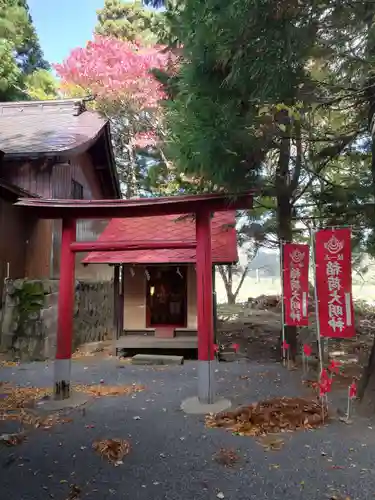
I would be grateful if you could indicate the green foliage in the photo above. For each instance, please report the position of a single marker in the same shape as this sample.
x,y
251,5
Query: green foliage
x,y
29,300
9,71
267,97
20,51
41,85
239,56
131,21
29,52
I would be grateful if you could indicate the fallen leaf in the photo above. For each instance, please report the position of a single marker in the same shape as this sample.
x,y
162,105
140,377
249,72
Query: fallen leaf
x,y
12,439
271,443
112,449
226,457
17,404
109,390
270,417
75,492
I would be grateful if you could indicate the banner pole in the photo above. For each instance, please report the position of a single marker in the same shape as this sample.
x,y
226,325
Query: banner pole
x,y
283,353
316,302
348,408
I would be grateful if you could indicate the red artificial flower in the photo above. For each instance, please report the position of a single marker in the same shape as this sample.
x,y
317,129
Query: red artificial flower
x,y
325,386
334,367
235,347
353,390
325,383
322,390
307,351
216,348
285,345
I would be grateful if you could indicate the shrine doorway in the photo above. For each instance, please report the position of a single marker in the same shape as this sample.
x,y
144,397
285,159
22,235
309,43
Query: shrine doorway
x,y
166,297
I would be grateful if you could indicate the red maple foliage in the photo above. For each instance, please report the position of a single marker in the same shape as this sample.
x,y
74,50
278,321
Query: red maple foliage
x,y
117,70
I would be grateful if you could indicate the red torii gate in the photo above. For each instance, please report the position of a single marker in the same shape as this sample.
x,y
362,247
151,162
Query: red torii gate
x,y
202,206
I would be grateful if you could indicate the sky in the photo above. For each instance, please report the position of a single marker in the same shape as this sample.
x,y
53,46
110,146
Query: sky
x,y
63,26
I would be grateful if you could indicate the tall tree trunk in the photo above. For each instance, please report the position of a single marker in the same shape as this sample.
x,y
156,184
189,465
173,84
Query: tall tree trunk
x,y
226,274
367,385
284,218
366,391
284,212
230,297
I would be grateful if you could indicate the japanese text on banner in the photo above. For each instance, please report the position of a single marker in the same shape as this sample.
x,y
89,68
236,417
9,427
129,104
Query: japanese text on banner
x,y
295,284
334,282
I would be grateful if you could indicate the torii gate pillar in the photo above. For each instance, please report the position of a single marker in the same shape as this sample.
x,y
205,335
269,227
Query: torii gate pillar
x,y
206,354
207,400
65,312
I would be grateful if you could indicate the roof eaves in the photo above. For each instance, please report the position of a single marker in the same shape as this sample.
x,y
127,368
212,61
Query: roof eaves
x,y
78,102
34,155
12,188
112,161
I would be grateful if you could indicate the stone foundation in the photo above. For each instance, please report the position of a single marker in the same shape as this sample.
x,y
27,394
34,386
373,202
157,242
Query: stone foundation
x,y
29,317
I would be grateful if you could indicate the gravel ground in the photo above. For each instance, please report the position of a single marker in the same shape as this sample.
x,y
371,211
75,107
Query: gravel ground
x,y
171,455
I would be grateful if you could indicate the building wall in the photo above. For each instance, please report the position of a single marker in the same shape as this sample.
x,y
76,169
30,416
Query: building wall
x,y
13,238
50,180
135,298
80,169
192,297
32,176
38,249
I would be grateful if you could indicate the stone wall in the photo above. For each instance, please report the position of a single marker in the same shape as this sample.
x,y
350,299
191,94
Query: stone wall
x,y
29,316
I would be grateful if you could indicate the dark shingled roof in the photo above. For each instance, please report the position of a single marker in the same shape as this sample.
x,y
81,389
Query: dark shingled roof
x,y
58,128
46,128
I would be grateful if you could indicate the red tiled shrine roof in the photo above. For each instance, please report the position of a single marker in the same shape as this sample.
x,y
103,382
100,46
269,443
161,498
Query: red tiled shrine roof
x,y
166,228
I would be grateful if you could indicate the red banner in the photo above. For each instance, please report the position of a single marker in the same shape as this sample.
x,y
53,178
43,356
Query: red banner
x,y
295,284
333,260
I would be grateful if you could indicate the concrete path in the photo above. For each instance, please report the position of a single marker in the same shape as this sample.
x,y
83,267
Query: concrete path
x,y
171,455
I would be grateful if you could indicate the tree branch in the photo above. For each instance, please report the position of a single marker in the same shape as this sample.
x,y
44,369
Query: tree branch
x,y
239,286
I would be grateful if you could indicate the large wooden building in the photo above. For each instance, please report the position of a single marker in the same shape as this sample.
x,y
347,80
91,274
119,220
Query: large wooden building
x,y
158,292
51,149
